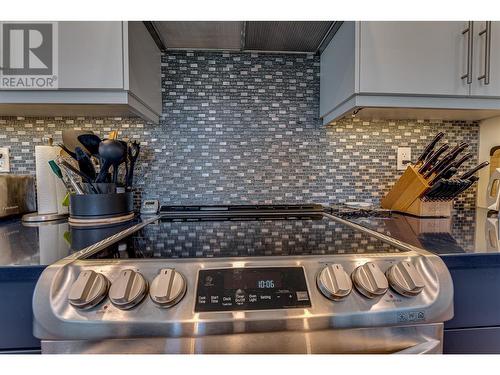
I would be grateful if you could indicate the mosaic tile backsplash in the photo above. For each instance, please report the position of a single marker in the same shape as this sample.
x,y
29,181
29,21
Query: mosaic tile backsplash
x,y
244,129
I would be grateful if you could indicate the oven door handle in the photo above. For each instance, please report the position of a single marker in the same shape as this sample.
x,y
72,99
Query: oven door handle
x,y
427,347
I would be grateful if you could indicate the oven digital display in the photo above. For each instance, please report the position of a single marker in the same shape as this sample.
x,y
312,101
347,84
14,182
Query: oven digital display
x,y
258,278
251,289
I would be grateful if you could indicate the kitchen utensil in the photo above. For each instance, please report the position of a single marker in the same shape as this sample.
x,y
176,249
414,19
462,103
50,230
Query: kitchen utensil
x,y
102,188
113,134
125,160
133,154
84,163
469,173
434,190
428,149
447,159
450,173
75,171
493,191
65,201
71,176
432,158
57,171
443,173
462,160
465,184
112,153
68,151
91,143
454,188
446,190
70,138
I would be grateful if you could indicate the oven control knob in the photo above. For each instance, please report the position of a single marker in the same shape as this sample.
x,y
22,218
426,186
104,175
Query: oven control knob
x,y
334,282
369,280
128,289
88,290
167,288
405,279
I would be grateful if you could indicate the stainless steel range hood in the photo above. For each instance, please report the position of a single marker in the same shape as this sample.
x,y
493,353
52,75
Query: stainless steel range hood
x,y
268,36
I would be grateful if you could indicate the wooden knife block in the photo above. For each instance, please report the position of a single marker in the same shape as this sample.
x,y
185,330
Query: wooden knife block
x,y
405,196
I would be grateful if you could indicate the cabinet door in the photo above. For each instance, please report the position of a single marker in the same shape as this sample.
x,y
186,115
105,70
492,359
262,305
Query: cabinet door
x,y
90,55
479,87
415,58
337,70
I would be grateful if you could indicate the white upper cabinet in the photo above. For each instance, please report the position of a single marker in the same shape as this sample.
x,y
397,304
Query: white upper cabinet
x,y
411,70
104,69
91,55
422,58
486,57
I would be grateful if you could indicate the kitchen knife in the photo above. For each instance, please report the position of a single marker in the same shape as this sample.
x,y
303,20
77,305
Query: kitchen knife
x,y
469,173
433,192
432,158
447,159
453,191
450,173
429,148
440,174
462,160
465,184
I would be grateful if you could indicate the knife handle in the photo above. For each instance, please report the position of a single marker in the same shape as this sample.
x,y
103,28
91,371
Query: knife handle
x,y
462,160
448,159
432,158
429,147
468,174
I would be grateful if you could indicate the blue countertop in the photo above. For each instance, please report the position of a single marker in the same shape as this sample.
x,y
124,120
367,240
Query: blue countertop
x,y
466,234
25,245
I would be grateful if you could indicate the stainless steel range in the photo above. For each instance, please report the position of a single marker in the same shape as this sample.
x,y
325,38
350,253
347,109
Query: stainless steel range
x,y
244,279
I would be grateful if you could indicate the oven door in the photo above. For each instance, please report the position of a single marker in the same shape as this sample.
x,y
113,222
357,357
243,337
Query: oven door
x,y
422,339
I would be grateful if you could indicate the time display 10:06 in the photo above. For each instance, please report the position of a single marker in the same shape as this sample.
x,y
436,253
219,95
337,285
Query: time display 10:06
x,y
265,284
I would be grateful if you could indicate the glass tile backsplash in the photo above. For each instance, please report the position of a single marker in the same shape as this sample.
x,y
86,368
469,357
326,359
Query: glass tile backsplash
x,y
240,128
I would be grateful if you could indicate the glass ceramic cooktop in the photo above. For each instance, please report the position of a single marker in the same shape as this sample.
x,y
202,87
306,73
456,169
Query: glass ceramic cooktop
x,y
169,238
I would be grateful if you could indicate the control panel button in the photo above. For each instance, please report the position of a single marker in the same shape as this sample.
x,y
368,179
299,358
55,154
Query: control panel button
x,y
405,279
88,290
334,282
369,280
167,288
251,288
128,289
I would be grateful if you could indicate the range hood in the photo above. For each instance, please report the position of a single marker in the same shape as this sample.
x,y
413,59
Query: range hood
x,y
245,36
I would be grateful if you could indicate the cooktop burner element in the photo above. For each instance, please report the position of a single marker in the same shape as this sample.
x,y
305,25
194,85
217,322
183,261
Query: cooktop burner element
x,y
194,272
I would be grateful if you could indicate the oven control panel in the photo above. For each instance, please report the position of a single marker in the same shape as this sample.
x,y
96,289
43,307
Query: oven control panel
x,y
231,289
